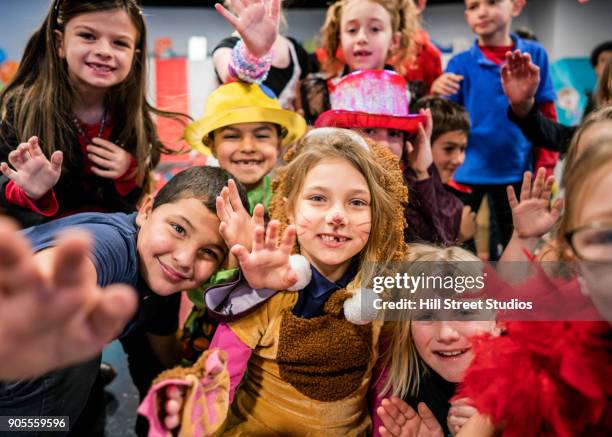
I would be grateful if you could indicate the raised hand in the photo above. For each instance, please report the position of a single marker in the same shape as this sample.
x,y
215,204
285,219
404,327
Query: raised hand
x,y
419,154
467,228
32,171
532,216
110,160
520,80
256,22
447,84
267,265
460,412
54,315
400,420
237,226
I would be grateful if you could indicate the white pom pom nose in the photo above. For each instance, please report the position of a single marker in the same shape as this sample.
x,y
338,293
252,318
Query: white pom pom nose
x,y
301,267
359,309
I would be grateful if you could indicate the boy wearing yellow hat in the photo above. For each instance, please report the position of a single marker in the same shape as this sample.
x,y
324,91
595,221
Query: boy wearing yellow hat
x,y
244,128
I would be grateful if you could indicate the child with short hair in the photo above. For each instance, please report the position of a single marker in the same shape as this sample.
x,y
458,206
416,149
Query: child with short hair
x,y
498,153
244,127
172,244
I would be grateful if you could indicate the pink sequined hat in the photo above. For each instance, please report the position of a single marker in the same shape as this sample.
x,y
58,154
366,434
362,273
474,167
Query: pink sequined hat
x,y
370,99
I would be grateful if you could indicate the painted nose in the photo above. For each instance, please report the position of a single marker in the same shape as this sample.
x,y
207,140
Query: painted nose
x,y
336,218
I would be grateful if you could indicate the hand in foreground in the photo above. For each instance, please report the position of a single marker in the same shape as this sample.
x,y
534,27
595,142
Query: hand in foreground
x,y
400,420
237,226
55,317
267,265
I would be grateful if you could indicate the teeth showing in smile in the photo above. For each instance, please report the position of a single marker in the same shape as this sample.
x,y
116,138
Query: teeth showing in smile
x,y
451,353
247,162
100,67
332,238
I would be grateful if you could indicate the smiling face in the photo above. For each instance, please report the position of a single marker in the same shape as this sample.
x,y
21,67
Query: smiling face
x,y
490,19
448,152
98,48
366,35
247,150
446,346
179,245
333,216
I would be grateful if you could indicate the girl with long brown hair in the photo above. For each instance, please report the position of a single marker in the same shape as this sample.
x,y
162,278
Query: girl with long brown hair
x,y
75,124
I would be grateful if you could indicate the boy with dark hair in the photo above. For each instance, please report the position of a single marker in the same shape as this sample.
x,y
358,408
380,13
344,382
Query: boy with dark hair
x,y
172,244
435,213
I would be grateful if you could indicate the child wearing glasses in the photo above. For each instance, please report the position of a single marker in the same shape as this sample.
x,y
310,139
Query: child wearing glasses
x,y
569,360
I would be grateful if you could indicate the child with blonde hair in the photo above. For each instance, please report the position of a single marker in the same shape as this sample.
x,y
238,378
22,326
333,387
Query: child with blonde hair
x,y
309,358
368,33
427,352
570,358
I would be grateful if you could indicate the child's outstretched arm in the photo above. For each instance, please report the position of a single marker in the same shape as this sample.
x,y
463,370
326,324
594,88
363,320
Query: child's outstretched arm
x,y
257,24
237,226
267,264
419,154
532,216
31,170
520,80
52,313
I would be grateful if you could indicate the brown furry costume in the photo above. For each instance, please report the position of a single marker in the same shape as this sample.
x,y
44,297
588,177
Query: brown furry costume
x,y
311,376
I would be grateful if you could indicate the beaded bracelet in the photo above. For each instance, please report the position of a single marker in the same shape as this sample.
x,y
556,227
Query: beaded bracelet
x,y
247,67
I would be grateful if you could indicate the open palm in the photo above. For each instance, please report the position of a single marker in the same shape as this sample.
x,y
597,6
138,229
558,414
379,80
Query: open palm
x,y
267,265
520,79
237,226
532,216
400,420
256,21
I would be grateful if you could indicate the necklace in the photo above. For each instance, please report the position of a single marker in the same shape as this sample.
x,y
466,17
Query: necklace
x,y
82,133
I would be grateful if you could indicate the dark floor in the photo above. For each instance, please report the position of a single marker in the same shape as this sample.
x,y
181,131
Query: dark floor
x,y
121,409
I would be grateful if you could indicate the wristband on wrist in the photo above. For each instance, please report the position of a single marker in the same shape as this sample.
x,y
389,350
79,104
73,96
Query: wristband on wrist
x,y
247,67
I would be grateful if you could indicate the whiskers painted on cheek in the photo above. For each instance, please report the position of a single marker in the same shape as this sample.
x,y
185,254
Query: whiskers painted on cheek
x,y
301,214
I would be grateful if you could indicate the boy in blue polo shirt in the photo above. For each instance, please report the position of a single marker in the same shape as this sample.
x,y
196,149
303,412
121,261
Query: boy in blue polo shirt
x,y
498,153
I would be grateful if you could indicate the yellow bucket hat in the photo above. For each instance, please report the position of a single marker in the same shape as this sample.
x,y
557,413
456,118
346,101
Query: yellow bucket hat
x,y
236,103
